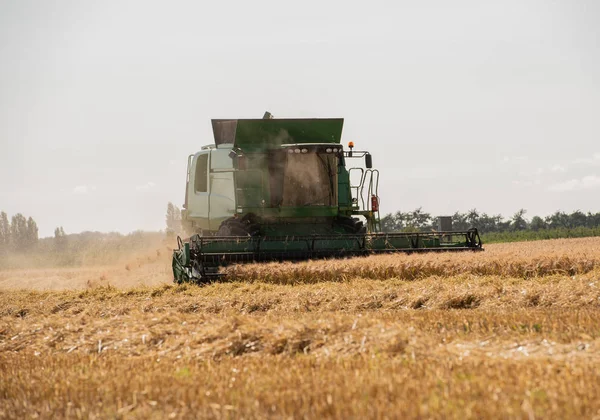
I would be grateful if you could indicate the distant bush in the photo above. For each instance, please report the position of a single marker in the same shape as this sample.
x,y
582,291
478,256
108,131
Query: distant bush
x,y
536,235
420,220
495,228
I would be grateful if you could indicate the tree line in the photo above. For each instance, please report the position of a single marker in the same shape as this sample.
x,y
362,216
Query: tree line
x,y
21,233
418,220
173,220
18,234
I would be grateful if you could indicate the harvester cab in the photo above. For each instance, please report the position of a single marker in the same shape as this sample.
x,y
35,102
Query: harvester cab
x,y
283,189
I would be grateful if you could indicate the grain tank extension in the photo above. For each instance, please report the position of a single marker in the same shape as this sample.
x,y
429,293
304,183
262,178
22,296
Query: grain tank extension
x,y
284,190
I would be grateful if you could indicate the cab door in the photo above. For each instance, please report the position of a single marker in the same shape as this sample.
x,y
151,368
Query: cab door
x,y
199,190
222,190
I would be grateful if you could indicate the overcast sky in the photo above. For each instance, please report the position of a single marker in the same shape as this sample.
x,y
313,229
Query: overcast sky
x,y
493,105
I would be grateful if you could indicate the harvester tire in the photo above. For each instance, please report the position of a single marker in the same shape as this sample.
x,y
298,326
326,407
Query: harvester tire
x,y
238,227
352,225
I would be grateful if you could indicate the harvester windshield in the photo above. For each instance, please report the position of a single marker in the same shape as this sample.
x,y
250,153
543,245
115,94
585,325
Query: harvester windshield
x,y
309,179
300,177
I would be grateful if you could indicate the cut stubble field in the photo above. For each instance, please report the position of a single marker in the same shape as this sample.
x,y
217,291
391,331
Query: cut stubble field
x,y
510,332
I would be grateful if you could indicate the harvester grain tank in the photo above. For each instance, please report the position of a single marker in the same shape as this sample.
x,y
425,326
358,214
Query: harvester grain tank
x,y
282,190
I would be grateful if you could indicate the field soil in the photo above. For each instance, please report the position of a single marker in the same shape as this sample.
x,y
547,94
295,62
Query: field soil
x,y
512,332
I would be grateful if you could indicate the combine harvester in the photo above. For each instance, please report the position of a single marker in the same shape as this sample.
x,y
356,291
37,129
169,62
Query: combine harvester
x,y
280,190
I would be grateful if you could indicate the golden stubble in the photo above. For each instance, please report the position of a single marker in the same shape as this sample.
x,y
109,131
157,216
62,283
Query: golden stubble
x,y
511,332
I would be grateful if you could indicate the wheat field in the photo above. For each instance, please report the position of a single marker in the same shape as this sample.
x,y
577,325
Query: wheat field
x,y
511,332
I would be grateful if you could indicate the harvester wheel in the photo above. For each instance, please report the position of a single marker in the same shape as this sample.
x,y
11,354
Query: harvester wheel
x,y
352,225
238,227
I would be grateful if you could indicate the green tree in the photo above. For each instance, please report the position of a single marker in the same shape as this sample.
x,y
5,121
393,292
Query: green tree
x,y
387,223
400,219
537,223
394,222
32,232
558,220
459,221
60,239
173,219
18,232
592,220
518,221
418,219
489,223
577,219
472,218
4,232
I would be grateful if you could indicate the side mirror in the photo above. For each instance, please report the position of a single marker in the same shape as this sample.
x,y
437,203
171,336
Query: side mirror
x,y
368,161
238,159
234,159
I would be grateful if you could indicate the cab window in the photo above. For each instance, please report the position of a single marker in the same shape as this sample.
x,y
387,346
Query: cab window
x,y
201,179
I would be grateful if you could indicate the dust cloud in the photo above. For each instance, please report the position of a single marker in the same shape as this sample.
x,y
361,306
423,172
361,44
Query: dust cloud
x,y
120,267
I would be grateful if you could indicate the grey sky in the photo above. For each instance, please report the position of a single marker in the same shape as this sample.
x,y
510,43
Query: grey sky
x,y
463,104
